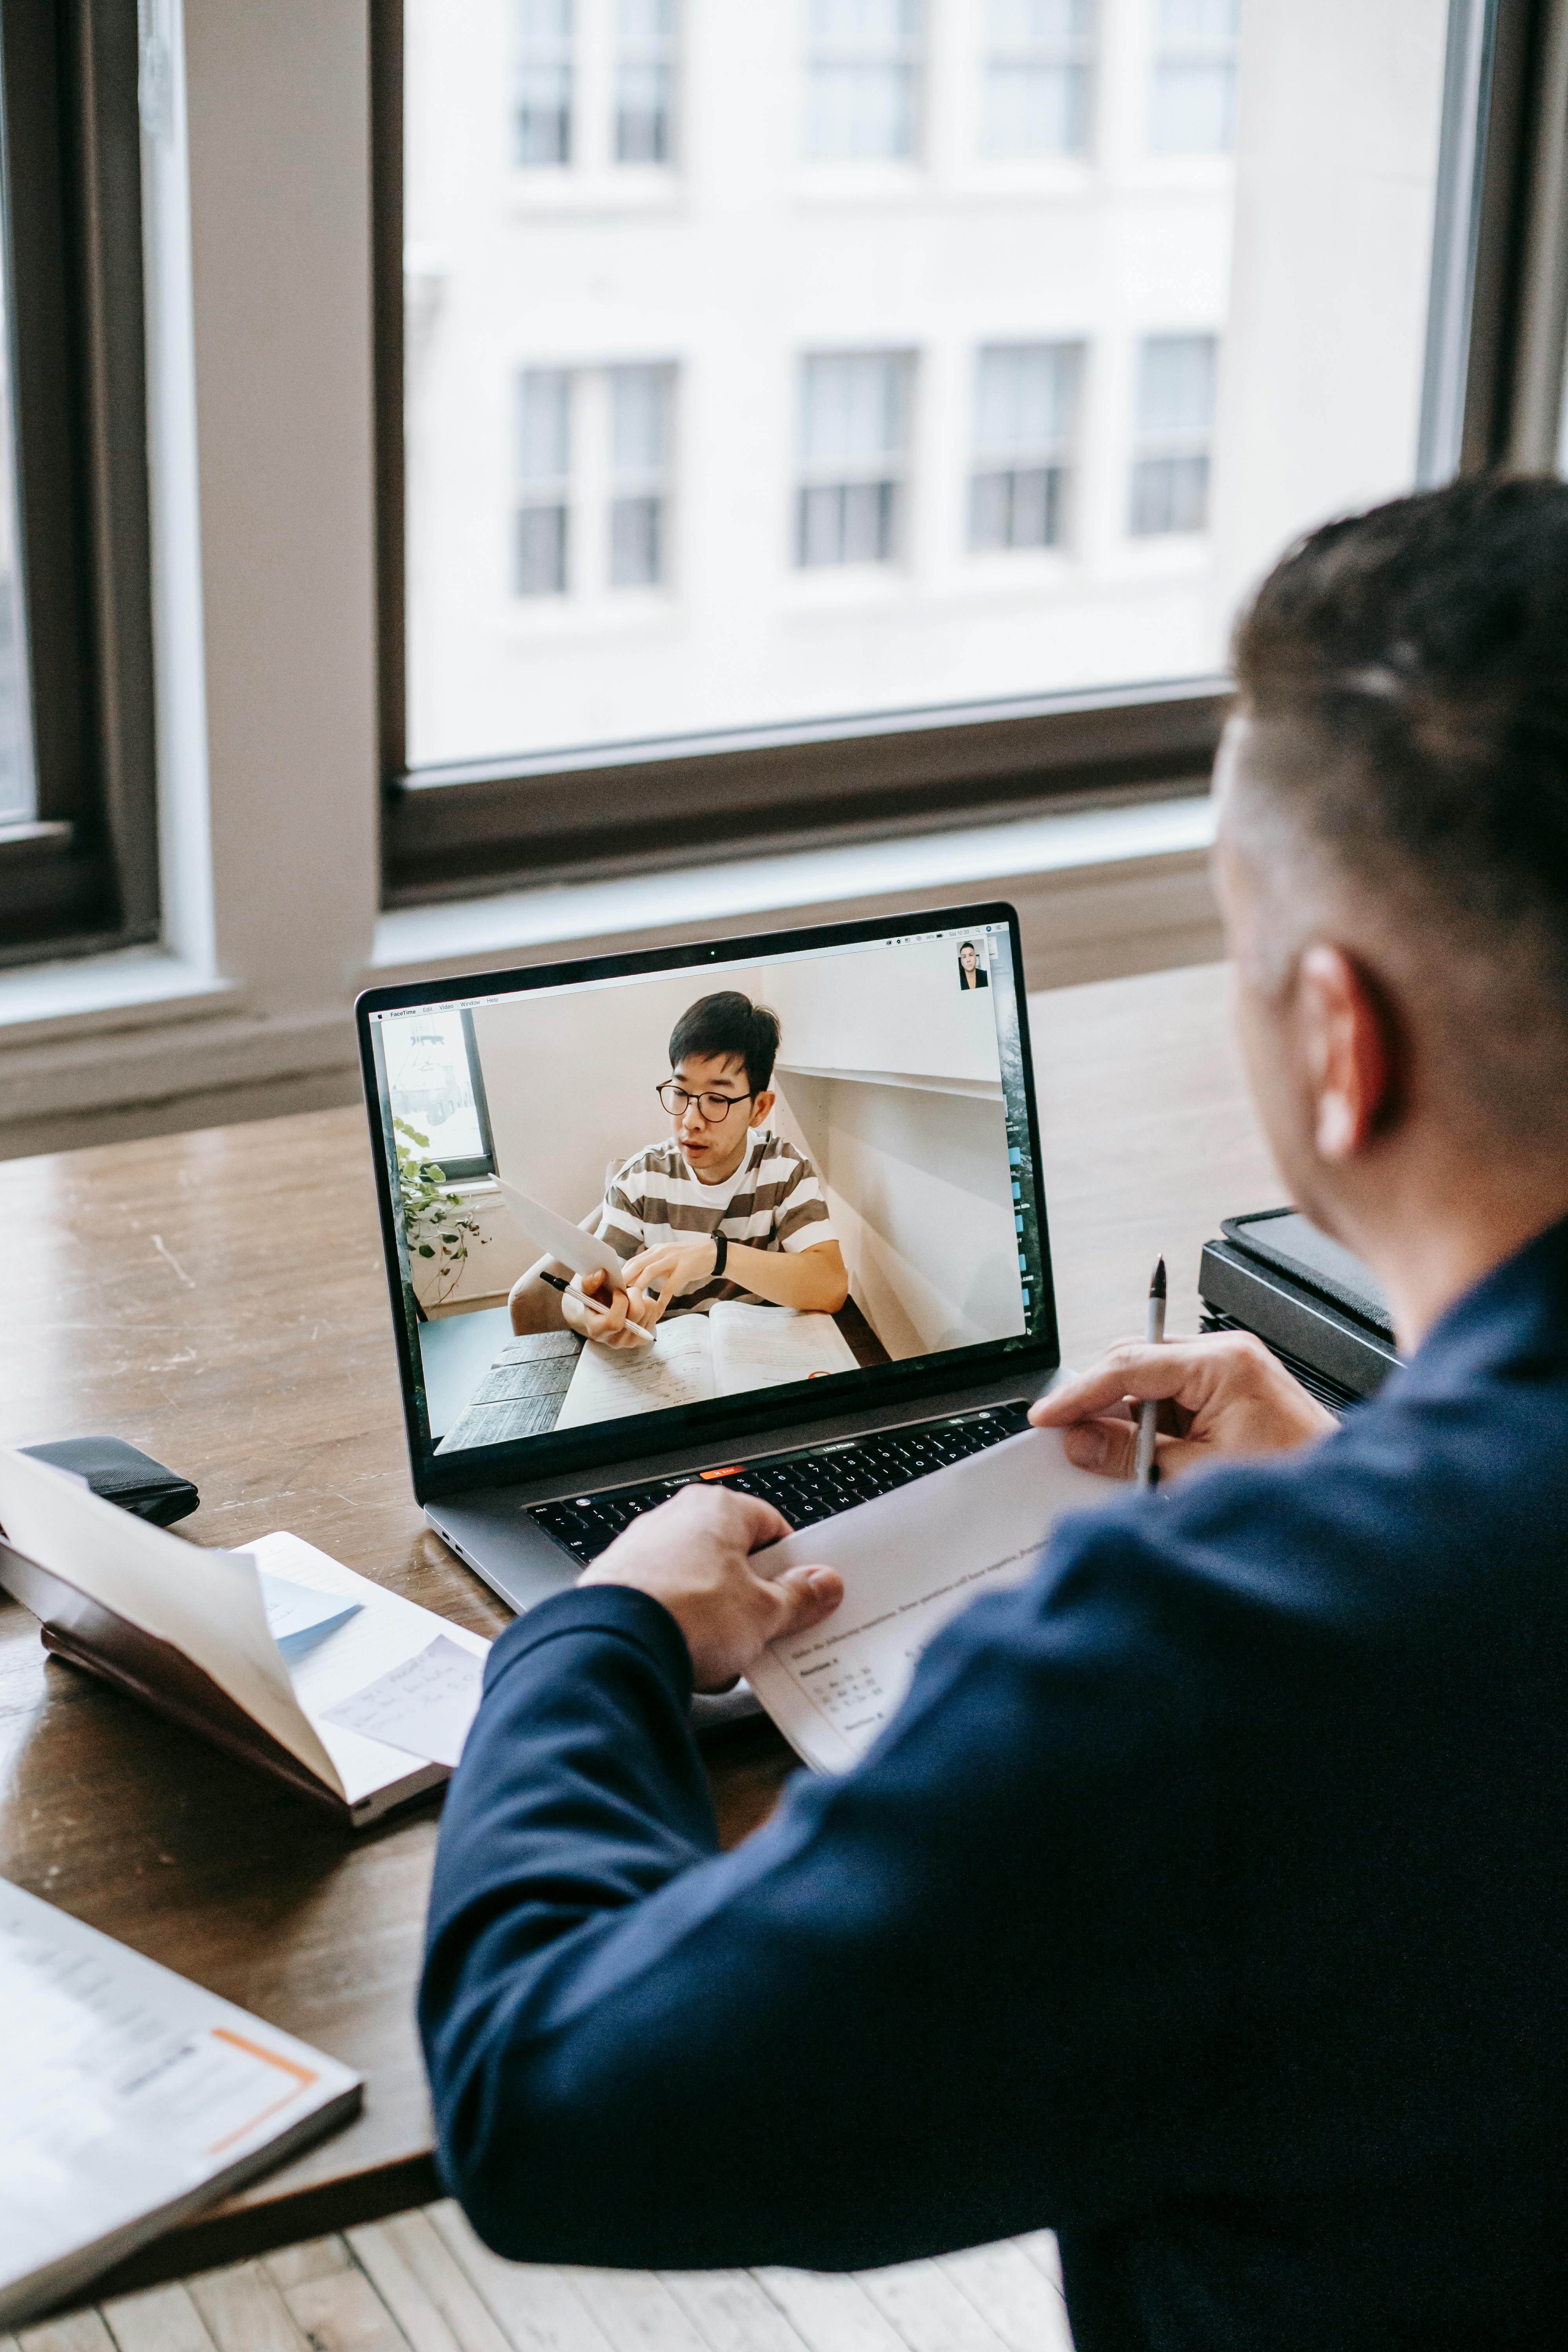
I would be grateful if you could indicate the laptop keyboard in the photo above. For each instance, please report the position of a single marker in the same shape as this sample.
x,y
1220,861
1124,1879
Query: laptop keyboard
x,y
812,1484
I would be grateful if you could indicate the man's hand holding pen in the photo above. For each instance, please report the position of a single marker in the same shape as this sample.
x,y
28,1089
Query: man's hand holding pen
x,y
1219,1398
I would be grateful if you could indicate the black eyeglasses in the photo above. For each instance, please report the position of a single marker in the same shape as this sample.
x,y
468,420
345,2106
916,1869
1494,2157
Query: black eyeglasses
x,y
715,1108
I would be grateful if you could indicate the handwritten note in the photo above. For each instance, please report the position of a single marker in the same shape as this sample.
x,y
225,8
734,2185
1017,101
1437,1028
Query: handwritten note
x,y
425,1705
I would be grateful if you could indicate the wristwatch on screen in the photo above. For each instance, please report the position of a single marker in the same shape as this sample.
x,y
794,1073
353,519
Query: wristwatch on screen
x,y
721,1251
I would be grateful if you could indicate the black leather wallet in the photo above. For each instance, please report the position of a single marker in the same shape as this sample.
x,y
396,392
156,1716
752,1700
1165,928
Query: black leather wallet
x,y
121,1474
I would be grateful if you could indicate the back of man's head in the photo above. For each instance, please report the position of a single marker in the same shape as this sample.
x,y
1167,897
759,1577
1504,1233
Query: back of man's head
x,y
1403,786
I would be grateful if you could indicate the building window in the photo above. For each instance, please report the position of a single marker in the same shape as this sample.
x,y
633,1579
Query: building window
x,y
644,80
853,430
1176,425
544,479
1026,414
639,464
544,83
1037,77
1194,78
862,79
593,479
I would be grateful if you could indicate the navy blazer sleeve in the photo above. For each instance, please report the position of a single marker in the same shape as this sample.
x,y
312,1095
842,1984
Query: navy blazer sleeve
x,y
900,2017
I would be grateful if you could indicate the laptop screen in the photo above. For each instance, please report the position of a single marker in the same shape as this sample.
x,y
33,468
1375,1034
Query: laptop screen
x,y
849,1108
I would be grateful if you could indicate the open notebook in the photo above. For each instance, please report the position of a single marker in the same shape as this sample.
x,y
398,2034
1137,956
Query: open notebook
x,y
552,1380
695,1357
358,1698
129,2098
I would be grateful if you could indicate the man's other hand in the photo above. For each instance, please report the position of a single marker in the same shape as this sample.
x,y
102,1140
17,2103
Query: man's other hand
x,y
1220,1397
695,1555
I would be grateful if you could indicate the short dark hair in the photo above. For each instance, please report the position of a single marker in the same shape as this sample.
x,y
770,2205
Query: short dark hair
x,y
729,1024
1407,672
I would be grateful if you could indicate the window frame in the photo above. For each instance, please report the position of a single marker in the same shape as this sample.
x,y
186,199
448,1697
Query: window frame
x,y
471,828
82,876
480,1169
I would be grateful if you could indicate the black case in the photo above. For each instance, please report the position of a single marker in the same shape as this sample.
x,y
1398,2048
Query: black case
x,y
1322,1312
121,1474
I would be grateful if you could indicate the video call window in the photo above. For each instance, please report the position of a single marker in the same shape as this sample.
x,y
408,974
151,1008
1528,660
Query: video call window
x,y
889,1135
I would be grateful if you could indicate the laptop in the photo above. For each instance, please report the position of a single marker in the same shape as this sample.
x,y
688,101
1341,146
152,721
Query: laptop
x,y
885,1305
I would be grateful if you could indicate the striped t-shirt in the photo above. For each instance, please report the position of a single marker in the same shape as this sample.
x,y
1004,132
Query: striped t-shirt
x,y
772,1202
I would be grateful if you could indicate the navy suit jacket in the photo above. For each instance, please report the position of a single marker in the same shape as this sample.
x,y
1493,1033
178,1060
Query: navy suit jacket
x,y
1206,1901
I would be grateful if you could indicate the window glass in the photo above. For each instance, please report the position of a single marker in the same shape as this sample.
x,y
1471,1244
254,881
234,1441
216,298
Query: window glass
x,y
1194,78
16,792
544,440
1026,403
1035,97
861,77
851,448
639,405
545,82
431,1087
645,78
769,416
1176,421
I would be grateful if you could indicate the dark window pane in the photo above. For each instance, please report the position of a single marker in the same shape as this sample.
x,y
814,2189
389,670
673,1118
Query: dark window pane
x,y
642,114
1170,494
1020,507
545,114
542,552
636,542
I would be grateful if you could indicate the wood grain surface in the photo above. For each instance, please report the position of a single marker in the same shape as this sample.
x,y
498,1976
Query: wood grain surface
x,y
217,1299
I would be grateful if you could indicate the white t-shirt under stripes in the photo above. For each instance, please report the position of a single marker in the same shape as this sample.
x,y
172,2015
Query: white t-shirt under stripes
x,y
772,1202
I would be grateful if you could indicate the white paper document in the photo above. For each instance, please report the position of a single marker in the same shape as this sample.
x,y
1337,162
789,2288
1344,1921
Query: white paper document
x,y
128,2097
764,1347
910,1560
425,1705
609,1383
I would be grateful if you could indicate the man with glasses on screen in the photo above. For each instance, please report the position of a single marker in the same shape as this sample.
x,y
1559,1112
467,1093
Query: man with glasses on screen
x,y
724,1209
1207,1898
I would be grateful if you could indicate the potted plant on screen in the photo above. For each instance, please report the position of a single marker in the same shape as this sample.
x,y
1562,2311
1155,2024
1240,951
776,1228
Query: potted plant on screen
x,y
439,1228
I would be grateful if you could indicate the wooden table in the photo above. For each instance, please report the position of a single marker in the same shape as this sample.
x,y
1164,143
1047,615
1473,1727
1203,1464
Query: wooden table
x,y
217,1299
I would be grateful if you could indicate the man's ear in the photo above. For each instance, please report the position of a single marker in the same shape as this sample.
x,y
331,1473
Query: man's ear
x,y
1349,1051
762,1105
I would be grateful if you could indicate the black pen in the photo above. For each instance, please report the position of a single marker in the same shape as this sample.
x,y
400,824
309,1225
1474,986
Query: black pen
x,y
1146,1469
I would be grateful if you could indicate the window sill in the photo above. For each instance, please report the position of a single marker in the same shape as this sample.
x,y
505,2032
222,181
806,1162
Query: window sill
x,y
1044,858
106,992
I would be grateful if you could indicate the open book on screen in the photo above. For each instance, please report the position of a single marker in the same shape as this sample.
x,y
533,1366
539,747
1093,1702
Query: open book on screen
x,y
695,1357
910,1561
358,1698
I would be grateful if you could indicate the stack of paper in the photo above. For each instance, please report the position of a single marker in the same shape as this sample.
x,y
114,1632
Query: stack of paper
x,y
127,2099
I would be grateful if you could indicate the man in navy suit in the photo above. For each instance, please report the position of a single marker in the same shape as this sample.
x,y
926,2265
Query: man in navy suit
x,y
1208,1900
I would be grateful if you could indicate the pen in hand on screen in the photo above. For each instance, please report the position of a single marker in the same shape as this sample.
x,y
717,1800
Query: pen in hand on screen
x,y
556,1283
1146,1469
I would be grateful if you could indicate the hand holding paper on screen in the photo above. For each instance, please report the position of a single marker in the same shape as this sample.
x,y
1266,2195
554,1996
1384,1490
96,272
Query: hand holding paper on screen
x,y
568,1243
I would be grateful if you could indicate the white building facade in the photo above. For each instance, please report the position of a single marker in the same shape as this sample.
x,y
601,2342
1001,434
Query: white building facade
x,y
771,360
